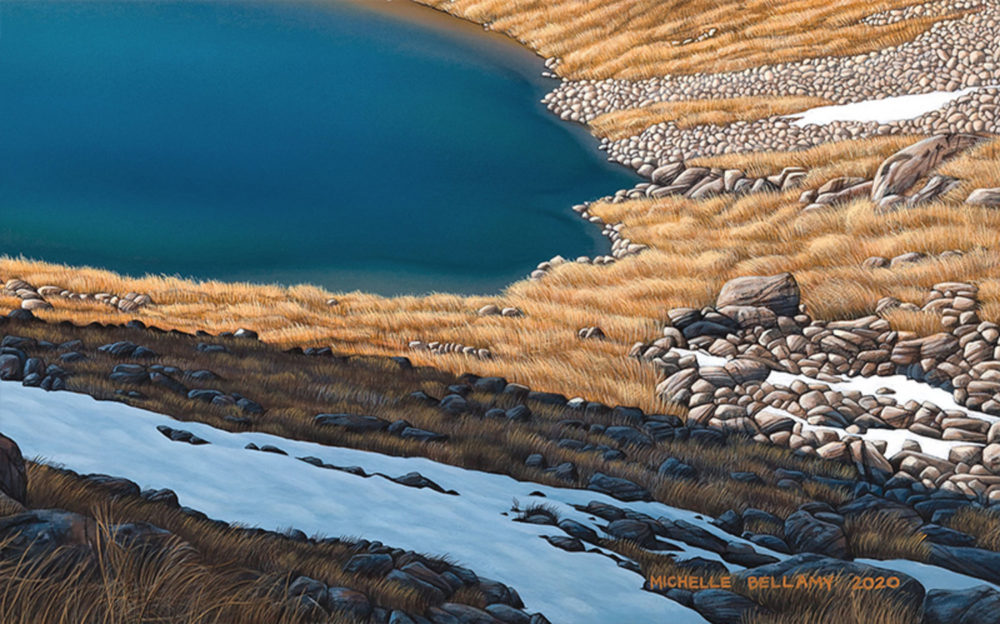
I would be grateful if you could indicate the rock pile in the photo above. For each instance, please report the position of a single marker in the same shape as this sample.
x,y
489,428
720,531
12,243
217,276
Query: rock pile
x,y
896,177
909,257
16,363
675,178
758,327
442,348
36,299
494,310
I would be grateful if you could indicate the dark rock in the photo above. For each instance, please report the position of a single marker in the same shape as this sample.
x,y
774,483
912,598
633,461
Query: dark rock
x,y
397,427
167,382
72,356
492,385
692,534
18,342
565,471
342,599
417,480
633,530
720,606
973,605
706,328
116,486
535,460
729,521
984,564
454,404
495,591
169,497
369,565
771,542
569,544
508,614
577,530
621,489
422,587
129,374
627,436
423,397
547,398
268,448
631,415
41,530
13,475
421,435
805,533
10,367
249,406
204,395
746,477
869,504
201,375
674,468
205,347
355,423
34,366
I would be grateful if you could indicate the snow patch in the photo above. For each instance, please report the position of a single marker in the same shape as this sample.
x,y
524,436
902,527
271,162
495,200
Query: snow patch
x,y
886,110
274,491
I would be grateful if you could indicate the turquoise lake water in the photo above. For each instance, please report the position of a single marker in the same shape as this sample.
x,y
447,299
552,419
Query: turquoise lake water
x,y
284,142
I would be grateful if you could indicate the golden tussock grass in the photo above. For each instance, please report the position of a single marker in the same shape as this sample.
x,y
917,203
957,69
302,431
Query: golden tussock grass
x,y
687,114
883,536
215,574
982,524
131,584
695,246
633,38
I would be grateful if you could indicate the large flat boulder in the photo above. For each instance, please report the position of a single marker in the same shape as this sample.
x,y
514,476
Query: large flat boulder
x,y
777,293
898,173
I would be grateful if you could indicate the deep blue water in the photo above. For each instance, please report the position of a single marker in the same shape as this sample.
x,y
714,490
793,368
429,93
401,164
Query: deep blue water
x,y
284,142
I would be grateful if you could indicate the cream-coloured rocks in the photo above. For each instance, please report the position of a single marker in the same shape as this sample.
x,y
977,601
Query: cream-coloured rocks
x,y
38,299
442,348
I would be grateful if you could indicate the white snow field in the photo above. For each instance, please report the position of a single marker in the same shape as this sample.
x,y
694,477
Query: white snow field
x,y
272,491
885,110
